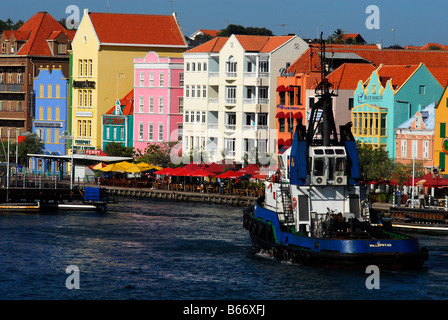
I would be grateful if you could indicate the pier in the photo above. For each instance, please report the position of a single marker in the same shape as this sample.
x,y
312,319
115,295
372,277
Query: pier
x,y
178,195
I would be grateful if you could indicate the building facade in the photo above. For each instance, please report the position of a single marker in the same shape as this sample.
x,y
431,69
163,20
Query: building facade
x,y
104,49
158,108
415,138
50,117
440,132
39,41
391,95
230,95
118,122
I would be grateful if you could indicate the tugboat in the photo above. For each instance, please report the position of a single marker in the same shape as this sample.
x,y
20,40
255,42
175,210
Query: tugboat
x,y
314,210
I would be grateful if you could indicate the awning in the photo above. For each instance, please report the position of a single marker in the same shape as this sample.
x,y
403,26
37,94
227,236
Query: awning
x,y
280,115
288,142
281,88
289,88
281,142
297,115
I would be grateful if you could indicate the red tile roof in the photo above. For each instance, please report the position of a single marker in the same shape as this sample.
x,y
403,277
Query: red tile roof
x,y
127,103
36,31
347,76
308,61
398,74
250,43
441,74
211,33
143,29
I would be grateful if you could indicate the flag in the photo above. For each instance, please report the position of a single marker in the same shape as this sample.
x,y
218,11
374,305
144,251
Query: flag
x,y
20,139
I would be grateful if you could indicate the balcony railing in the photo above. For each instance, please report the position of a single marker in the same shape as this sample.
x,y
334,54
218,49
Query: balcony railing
x,y
213,100
249,100
230,127
231,100
263,100
11,87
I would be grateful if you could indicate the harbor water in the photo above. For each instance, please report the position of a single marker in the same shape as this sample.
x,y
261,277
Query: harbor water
x,y
148,249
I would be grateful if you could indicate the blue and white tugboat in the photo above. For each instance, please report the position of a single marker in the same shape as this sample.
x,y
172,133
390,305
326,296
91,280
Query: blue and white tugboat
x,y
314,210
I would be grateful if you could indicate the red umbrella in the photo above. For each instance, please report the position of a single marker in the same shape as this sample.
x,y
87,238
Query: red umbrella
x,y
165,171
191,166
182,172
428,181
250,169
215,168
201,173
259,176
230,174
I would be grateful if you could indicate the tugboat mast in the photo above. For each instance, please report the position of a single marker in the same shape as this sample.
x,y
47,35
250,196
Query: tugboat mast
x,y
324,104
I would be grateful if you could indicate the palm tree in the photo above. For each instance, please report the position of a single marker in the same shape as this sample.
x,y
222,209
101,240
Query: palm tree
x,y
338,35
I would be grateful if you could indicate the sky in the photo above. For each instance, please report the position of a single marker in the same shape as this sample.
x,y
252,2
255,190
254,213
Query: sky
x,y
402,22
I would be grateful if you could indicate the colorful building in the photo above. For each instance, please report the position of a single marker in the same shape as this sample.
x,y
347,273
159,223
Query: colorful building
x,y
388,98
415,138
50,117
440,132
118,122
104,49
158,108
230,95
40,41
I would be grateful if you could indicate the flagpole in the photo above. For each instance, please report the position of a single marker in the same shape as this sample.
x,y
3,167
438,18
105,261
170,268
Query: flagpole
x,y
7,168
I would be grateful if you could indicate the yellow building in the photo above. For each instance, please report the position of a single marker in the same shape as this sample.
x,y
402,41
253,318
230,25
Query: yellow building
x,y
103,53
440,133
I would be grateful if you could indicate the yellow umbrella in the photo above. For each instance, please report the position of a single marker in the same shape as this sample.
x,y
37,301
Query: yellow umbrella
x,y
114,167
98,166
133,168
125,164
144,166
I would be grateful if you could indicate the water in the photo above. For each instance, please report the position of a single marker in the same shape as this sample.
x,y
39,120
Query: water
x,y
161,250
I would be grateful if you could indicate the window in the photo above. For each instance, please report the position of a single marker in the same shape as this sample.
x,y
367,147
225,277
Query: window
x,y
49,113
140,104
193,90
160,131
160,104
79,128
80,67
198,91
58,91
187,91
290,124
151,104
58,113
204,91
150,131
193,66
90,98
198,116
192,116
229,147
115,133
181,105
442,160
414,148
350,103
19,77
425,150
231,94
262,119
291,97
187,116
422,90
161,79
85,68
48,140
231,67
151,79
188,66
282,96
107,132
203,116
383,124
140,131
91,68
181,79
142,79
230,118
3,47
264,67
62,48
281,122
122,133
404,150
199,66
442,130
205,66
263,95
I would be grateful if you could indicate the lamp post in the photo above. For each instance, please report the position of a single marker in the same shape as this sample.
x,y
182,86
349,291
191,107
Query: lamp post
x,y
437,176
66,135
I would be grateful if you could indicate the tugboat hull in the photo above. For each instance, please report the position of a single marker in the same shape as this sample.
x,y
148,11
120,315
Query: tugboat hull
x,y
393,251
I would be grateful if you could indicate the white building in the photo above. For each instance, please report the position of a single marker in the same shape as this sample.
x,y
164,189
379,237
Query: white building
x,y
230,95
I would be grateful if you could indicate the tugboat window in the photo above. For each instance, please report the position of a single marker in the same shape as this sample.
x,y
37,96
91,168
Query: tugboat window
x,y
318,167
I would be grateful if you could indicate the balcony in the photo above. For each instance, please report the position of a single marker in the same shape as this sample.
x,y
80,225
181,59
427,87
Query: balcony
x,y
12,87
229,127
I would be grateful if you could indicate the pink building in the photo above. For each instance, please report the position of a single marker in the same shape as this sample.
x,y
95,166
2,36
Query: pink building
x,y
158,99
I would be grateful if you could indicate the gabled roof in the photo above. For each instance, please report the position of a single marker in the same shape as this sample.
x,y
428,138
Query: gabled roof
x,y
428,117
127,105
398,75
347,76
141,29
250,43
36,31
308,61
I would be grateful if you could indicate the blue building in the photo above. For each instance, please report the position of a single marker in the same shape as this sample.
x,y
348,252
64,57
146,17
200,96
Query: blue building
x,y
50,118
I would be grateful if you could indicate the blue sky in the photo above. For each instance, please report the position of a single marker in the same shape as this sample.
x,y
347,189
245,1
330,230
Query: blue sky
x,y
414,22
